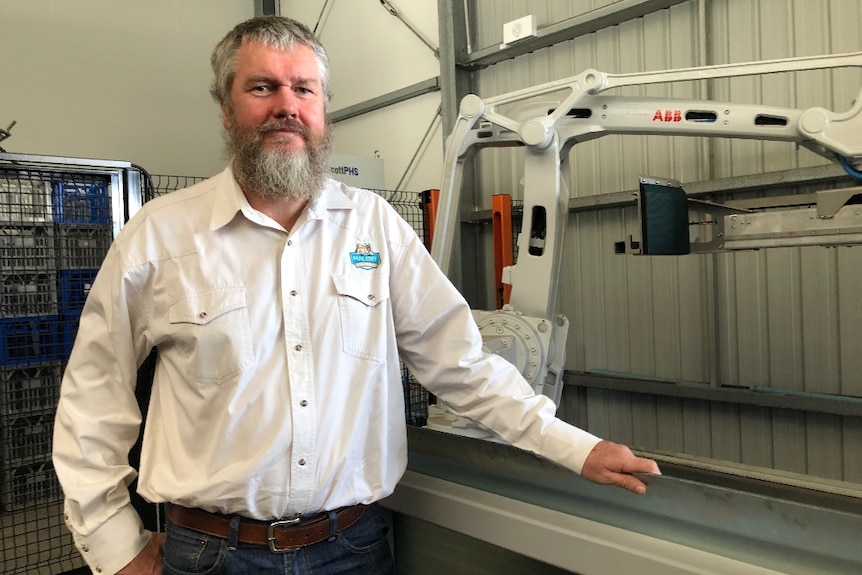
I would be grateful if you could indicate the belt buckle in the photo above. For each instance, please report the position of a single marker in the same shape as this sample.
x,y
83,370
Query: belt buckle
x,y
270,534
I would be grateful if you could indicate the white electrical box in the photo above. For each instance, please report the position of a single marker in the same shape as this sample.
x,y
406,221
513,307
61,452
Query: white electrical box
x,y
519,29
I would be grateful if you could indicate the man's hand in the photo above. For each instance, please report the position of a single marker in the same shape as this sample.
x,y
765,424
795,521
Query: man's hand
x,y
613,464
149,560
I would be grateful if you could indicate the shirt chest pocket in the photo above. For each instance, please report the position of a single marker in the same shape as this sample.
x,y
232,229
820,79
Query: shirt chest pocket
x,y
365,317
212,334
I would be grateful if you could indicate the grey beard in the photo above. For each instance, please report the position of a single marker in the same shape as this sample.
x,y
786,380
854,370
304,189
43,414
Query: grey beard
x,y
273,174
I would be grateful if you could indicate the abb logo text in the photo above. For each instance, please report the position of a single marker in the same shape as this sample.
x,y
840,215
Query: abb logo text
x,y
667,116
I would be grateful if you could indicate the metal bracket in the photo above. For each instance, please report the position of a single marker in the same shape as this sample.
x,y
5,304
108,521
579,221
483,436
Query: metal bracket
x,y
830,201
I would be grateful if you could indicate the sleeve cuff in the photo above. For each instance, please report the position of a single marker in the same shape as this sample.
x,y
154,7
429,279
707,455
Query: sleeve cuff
x,y
568,445
114,544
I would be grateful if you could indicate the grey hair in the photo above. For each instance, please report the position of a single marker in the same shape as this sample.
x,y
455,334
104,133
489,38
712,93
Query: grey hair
x,y
280,32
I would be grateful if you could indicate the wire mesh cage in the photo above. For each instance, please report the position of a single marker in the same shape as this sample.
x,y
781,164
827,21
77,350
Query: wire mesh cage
x,y
161,184
413,207
56,225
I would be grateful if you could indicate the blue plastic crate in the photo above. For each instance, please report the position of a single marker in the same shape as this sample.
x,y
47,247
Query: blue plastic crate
x,y
70,332
29,340
81,203
73,288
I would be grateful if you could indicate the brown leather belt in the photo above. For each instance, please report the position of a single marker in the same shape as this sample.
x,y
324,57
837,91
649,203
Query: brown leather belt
x,y
281,536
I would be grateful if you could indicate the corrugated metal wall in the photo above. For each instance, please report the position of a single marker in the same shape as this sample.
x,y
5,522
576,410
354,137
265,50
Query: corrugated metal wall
x,y
785,319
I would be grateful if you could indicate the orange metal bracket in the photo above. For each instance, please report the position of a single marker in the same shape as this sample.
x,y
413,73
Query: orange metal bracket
x,y
501,208
430,202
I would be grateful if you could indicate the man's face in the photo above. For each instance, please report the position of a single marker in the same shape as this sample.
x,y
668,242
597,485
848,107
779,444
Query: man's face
x,y
275,123
281,87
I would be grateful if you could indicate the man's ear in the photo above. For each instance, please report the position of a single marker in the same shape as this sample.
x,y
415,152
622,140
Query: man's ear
x,y
225,116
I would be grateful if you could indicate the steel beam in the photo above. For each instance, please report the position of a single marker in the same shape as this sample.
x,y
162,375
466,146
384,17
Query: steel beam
x,y
406,93
592,21
691,521
759,396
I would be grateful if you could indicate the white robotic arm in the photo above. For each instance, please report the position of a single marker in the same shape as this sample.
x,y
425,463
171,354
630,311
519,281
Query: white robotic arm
x,y
528,331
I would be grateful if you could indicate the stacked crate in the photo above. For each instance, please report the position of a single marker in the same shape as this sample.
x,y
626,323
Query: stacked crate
x,y
54,231
30,363
84,234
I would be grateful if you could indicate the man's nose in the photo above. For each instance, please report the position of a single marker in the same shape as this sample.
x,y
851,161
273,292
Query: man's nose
x,y
286,103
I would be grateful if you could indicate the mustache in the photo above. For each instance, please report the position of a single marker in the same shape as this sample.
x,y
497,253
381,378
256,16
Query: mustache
x,y
284,124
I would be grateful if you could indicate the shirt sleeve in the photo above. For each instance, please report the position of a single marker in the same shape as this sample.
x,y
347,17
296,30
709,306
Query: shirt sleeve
x,y
97,423
442,347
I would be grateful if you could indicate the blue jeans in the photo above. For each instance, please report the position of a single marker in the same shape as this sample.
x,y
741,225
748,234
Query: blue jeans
x,y
361,548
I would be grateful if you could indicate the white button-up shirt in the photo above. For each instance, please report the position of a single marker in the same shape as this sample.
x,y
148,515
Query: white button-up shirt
x,y
278,385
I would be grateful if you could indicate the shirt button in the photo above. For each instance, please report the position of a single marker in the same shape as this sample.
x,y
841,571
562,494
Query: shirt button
x,y
85,548
293,292
301,462
290,242
371,297
202,315
298,347
303,403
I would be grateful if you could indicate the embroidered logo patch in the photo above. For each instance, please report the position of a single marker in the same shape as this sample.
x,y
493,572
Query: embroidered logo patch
x,y
364,258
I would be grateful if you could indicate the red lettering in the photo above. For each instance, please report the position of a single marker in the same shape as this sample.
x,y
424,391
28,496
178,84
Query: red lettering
x,y
667,116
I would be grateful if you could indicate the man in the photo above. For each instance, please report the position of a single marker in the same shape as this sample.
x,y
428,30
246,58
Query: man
x,y
276,420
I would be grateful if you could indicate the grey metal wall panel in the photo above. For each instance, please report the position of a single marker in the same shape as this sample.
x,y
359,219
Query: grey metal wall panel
x,y
756,437
849,309
788,319
645,422
789,441
790,453
825,436
785,318
820,320
727,439
850,453
648,317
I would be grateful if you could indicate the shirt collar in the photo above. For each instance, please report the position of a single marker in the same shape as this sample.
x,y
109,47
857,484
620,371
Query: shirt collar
x,y
332,197
230,199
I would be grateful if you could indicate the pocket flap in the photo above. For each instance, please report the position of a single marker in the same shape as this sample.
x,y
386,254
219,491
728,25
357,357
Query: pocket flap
x,y
202,308
370,288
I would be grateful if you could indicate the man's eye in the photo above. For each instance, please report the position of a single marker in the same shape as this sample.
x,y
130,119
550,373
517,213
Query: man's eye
x,y
260,89
303,90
